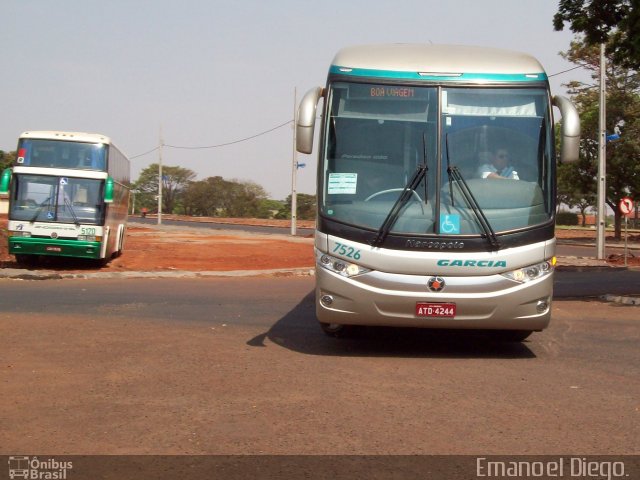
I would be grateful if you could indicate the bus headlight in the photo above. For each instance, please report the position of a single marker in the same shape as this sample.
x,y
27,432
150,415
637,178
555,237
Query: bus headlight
x,y
339,266
532,272
89,238
19,233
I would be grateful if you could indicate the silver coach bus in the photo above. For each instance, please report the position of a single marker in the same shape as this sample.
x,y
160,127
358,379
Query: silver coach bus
x,y
436,188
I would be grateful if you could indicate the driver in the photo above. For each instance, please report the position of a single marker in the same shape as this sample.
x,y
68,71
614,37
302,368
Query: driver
x,y
498,166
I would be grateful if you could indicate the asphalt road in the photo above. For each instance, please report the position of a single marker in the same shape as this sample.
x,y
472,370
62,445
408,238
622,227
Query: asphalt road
x,y
239,366
596,282
224,226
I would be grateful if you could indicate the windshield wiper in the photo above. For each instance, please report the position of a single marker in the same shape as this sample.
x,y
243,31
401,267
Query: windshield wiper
x,y
424,161
470,199
402,200
42,205
71,211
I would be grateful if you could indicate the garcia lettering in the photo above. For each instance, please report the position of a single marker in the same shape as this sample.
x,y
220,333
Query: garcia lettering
x,y
472,263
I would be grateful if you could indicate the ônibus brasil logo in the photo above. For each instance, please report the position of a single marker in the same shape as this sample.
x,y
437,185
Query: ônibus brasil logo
x,y
33,468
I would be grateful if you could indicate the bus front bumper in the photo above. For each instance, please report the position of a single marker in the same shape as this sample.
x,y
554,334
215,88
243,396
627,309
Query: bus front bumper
x,y
54,247
383,299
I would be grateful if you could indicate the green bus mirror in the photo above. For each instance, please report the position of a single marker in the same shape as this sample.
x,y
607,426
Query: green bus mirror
x,y
5,180
108,190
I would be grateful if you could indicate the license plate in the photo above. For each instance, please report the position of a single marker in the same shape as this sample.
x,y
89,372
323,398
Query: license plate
x,y
447,310
53,249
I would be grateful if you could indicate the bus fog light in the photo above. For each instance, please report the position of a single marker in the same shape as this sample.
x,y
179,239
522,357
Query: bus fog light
x,y
352,269
326,300
542,306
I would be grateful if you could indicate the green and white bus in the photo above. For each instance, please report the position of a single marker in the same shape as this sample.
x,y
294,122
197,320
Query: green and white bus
x,y
419,224
68,196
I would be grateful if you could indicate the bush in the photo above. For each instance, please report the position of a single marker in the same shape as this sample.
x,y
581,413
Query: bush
x,y
567,218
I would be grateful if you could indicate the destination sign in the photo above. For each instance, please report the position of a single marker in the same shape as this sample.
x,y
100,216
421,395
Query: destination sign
x,y
387,92
393,92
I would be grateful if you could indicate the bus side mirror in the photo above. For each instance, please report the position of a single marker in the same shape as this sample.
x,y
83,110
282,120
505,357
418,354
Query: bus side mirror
x,y
570,133
5,180
306,120
108,190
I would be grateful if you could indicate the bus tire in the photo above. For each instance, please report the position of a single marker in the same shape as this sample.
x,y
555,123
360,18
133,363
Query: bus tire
x,y
512,335
26,260
101,262
121,237
336,330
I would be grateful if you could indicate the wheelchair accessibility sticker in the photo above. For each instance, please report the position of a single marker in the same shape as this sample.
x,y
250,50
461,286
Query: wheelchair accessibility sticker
x,y
449,224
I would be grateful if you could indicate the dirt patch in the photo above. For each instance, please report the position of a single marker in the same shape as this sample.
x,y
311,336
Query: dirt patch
x,y
172,248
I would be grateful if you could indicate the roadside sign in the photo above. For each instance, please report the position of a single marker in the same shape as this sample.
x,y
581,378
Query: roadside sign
x,y
626,205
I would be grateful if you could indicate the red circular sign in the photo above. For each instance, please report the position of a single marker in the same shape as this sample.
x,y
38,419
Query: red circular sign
x,y
626,205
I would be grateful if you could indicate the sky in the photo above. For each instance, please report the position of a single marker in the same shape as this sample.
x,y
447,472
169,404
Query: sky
x,y
205,72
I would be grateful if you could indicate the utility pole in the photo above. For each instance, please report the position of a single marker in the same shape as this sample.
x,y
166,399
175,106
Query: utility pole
x,y
602,164
160,179
294,168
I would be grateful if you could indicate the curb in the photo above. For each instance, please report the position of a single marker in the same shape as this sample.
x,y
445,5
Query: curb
x,y
20,274
621,299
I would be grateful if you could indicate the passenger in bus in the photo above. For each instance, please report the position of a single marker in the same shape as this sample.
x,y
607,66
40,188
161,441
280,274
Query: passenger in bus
x,y
498,166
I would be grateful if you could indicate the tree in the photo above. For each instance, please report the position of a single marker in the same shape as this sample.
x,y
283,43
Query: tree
x,y
269,208
613,22
623,112
6,159
305,207
244,199
576,186
174,180
215,197
202,197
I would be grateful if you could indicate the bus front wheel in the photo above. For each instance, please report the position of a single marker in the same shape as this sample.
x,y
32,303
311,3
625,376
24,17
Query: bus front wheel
x,y
26,260
336,330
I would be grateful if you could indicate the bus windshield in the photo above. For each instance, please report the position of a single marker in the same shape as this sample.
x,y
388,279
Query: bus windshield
x,y
493,140
61,154
45,198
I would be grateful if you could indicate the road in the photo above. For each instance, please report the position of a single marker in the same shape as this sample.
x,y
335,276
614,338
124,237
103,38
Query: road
x,y
239,366
587,250
224,226
596,282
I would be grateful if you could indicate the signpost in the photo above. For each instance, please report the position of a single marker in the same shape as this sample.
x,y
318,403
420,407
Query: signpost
x,y
626,208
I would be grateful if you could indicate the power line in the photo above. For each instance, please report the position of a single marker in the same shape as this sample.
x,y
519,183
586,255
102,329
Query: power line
x,y
217,145
233,142
145,153
565,71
